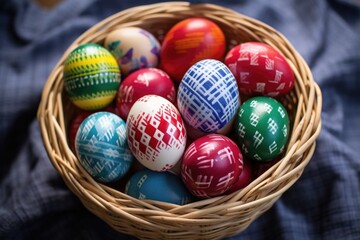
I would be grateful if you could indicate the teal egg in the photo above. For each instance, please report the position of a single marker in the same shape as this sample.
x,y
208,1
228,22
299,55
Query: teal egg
x,y
160,186
262,127
102,148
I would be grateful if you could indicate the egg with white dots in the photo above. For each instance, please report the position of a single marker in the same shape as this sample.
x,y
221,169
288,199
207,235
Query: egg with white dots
x,y
101,147
208,96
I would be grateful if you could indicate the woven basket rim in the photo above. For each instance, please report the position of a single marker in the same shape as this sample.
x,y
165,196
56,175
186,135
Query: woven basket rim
x,y
153,217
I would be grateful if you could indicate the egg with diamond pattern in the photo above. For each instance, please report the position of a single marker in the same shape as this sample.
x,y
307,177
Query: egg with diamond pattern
x,y
156,133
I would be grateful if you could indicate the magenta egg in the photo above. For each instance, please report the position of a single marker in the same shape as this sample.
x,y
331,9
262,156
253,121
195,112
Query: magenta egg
x,y
143,82
211,165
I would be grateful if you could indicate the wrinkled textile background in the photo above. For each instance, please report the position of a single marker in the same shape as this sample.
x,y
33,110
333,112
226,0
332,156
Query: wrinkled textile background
x,y
323,204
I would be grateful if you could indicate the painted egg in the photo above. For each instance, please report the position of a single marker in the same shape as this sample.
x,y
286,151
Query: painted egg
x,y
211,165
156,133
91,76
208,96
188,42
260,69
143,82
160,186
244,179
262,127
102,148
134,48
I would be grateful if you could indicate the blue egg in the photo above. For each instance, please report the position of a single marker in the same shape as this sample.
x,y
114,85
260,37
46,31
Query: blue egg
x,y
208,96
160,186
102,148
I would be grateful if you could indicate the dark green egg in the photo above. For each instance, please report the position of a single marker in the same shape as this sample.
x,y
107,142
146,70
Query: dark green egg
x,y
262,127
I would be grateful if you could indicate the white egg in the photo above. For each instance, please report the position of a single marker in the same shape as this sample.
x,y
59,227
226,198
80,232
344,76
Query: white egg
x,y
156,133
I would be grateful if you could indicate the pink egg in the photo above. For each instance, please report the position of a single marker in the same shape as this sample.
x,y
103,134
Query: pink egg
x,y
156,133
211,165
143,82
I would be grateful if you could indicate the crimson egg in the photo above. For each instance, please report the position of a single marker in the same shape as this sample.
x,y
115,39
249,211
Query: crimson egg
x,y
143,82
211,165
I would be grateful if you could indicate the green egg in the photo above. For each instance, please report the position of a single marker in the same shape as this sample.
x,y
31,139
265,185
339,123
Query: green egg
x,y
91,76
262,127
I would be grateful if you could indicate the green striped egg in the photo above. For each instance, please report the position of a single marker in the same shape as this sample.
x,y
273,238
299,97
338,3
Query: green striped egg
x,y
91,76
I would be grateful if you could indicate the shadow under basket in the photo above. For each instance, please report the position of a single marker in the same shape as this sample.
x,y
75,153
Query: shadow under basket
x,y
213,218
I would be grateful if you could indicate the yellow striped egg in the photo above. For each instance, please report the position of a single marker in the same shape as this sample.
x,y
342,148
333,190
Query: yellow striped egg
x,y
91,76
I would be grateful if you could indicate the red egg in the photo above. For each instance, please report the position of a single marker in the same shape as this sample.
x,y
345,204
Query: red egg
x,y
211,165
74,126
188,42
78,118
244,179
143,82
260,69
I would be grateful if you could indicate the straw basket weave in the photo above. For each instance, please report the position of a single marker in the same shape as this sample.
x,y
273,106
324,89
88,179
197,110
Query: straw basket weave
x,y
213,218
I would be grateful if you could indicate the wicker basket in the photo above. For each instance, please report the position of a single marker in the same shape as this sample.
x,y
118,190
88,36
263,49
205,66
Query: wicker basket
x,y
206,219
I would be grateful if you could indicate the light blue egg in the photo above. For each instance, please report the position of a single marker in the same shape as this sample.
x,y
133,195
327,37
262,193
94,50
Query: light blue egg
x,y
208,96
160,186
102,148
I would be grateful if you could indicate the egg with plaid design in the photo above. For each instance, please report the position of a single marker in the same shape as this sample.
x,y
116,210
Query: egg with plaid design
x,y
211,165
208,96
101,146
262,127
260,69
156,133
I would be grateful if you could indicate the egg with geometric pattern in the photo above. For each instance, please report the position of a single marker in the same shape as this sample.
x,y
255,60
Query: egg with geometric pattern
x,y
91,76
211,165
262,128
101,147
208,96
156,133
260,70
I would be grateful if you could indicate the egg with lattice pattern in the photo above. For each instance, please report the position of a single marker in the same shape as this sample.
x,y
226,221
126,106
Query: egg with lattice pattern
x,y
208,96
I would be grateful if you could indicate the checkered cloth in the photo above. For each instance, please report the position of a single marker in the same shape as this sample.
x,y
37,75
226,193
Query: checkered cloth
x,y
323,204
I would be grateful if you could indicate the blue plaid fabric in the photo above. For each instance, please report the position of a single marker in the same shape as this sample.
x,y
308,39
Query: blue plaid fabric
x,y
323,204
